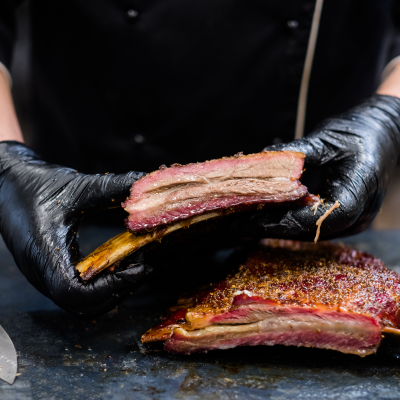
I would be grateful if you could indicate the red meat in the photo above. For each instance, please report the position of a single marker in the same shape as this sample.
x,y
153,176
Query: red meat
x,y
290,293
181,192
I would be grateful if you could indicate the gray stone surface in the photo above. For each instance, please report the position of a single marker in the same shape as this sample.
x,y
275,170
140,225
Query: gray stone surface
x,y
63,358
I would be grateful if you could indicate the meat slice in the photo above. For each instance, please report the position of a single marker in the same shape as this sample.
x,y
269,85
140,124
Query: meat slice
x,y
181,192
289,293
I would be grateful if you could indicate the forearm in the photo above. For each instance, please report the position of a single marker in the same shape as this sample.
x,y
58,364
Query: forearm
x,y
9,125
391,84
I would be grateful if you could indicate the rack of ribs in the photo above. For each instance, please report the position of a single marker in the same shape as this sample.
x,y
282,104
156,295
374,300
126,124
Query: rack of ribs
x,y
290,293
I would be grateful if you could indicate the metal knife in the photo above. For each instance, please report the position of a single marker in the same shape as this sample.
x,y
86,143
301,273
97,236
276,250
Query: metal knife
x,y
8,358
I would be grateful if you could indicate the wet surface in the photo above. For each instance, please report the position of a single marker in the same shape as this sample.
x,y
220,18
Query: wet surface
x,y
61,357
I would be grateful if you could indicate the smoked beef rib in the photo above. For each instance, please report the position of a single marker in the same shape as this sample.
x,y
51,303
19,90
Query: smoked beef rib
x,y
184,191
173,198
289,293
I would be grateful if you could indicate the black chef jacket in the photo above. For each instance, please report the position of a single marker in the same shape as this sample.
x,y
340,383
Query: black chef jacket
x,y
124,85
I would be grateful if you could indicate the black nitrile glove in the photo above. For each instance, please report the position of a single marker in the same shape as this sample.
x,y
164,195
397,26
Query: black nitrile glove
x,y
349,158
41,206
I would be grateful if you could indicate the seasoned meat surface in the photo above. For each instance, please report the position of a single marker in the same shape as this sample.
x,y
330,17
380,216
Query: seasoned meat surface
x,y
290,293
181,192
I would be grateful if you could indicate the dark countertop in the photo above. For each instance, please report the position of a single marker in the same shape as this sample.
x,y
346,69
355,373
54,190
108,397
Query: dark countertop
x,y
64,358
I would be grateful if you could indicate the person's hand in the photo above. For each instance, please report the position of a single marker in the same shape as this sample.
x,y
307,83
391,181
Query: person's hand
x,y
349,158
41,206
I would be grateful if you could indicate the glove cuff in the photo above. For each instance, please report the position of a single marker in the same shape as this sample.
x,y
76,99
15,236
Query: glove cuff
x,y
13,153
383,110
390,105
378,114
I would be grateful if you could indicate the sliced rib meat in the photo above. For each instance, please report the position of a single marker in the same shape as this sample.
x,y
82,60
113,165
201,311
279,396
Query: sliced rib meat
x,y
181,192
289,293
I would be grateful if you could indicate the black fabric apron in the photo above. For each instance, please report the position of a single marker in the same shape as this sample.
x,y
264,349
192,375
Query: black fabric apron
x,y
132,84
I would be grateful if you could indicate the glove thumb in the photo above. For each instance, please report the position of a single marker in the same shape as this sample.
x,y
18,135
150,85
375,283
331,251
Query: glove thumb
x,y
101,192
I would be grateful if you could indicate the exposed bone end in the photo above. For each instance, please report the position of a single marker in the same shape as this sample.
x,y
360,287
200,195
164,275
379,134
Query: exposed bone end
x,y
114,250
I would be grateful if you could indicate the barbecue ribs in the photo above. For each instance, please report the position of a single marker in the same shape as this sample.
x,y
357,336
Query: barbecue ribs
x,y
183,191
289,293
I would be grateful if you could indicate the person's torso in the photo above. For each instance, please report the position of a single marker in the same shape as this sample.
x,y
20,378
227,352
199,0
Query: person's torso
x,y
129,85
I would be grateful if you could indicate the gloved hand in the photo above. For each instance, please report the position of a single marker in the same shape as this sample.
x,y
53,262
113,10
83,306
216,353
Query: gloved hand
x,y
41,206
349,158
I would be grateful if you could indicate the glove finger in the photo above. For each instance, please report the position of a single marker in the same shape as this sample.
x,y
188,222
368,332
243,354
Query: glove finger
x,y
345,220
323,147
310,149
295,224
356,189
102,293
133,269
101,192
300,222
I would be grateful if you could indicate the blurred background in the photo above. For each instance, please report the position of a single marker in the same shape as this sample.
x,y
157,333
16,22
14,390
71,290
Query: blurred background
x,y
388,218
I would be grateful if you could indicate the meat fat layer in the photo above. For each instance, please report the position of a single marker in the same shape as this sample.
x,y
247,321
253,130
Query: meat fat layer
x,y
359,337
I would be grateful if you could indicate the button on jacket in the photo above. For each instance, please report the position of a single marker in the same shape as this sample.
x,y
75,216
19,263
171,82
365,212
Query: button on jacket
x,y
123,85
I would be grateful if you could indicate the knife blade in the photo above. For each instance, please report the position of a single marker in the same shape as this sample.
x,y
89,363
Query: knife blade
x,y
8,358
